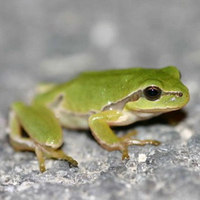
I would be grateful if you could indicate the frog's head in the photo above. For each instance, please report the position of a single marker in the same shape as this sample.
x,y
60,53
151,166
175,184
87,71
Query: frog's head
x,y
160,91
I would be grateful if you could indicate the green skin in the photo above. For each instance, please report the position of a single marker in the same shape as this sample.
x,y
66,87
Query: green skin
x,y
95,101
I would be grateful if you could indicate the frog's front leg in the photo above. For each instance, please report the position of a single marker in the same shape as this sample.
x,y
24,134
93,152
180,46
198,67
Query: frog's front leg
x,y
43,129
100,126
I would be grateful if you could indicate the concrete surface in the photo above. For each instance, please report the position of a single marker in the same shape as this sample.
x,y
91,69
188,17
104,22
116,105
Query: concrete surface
x,y
54,41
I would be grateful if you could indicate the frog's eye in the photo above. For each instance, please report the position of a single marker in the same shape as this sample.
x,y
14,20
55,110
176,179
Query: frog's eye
x,y
152,93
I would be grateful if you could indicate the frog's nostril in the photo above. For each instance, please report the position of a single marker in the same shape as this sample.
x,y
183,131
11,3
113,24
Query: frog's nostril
x,y
180,94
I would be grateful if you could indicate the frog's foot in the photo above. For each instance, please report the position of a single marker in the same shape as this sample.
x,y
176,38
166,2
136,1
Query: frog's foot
x,y
44,152
127,141
99,124
24,144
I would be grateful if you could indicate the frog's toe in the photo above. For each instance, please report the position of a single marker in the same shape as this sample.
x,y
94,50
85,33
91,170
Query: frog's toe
x,y
69,159
73,162
40,157
125,155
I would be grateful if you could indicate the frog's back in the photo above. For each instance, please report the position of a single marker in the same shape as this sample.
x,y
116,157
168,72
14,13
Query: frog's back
x,y
91,91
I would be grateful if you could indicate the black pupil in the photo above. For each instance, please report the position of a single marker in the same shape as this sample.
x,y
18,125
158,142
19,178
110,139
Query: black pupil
x,y
152,93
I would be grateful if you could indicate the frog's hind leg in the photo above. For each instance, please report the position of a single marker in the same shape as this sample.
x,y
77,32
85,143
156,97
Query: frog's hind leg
x,y
16,138
20,143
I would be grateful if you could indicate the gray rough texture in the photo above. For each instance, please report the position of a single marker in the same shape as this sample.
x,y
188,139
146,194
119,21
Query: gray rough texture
x,y
54,41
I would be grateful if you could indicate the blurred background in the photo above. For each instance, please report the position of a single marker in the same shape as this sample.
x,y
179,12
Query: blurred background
x,y
55,40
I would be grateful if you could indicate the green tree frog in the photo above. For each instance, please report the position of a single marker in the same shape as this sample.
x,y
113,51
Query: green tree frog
x,y
95,101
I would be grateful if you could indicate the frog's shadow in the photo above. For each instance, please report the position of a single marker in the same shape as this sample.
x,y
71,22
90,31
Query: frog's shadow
x,y
170,118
